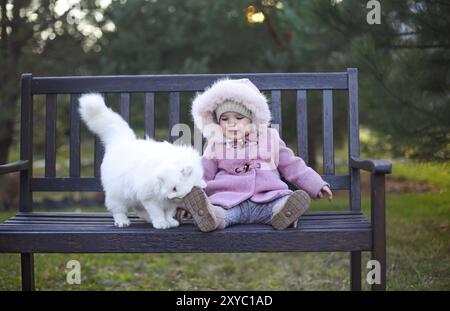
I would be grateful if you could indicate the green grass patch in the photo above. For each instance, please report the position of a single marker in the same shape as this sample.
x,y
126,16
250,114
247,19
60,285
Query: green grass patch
x,y
436,174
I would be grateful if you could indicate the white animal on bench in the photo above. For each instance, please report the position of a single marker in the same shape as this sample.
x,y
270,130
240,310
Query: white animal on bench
x,y
151,177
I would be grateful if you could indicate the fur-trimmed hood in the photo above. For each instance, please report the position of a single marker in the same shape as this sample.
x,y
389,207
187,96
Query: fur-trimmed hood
x,y
242,91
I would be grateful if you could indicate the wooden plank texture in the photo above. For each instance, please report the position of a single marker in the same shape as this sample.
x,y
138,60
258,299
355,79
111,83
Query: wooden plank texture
x,y
72,232
188,82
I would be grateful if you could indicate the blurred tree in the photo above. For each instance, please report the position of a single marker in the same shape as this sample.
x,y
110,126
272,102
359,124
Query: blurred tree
x,y
404,65
406,95
45,37
403,61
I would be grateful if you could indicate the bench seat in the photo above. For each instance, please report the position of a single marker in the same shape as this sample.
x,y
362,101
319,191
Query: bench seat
x,y
44,232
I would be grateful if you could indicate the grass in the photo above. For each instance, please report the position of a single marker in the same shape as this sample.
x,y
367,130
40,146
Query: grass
x,y
418,259
436,174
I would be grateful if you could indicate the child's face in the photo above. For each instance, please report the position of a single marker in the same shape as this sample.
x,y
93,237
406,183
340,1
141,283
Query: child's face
x,y
234,125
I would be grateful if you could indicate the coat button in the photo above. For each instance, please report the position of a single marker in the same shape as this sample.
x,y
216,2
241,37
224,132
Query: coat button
x,y
288,214
200,212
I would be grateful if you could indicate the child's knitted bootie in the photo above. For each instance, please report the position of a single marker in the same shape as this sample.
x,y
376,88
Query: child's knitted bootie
x,y
208,217
287,213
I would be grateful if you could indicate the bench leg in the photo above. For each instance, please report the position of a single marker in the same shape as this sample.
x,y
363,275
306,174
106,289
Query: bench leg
x,y
355,271
27,265
379,227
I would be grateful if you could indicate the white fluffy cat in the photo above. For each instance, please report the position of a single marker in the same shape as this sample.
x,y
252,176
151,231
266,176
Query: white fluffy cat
x,y
151,177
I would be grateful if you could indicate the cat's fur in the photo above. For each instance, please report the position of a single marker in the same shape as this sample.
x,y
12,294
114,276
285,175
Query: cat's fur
x,y
151,177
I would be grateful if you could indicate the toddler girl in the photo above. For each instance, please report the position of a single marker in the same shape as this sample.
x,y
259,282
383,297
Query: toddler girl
x,y
244,161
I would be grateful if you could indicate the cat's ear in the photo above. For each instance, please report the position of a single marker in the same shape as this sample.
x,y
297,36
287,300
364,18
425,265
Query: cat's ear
x,y
187,170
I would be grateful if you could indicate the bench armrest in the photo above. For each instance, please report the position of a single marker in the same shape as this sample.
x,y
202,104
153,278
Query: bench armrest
x,y
377,169
372,166
20,165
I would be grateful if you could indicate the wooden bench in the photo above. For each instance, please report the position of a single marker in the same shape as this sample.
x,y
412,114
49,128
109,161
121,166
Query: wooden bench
x,y
31,232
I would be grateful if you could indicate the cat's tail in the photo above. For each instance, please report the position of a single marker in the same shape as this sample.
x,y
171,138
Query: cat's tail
x,y
101,120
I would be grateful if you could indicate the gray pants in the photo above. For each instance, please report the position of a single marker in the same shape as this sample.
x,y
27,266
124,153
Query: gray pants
x,y
249,212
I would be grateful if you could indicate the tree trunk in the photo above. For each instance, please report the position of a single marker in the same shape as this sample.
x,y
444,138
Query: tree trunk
x,y
10,51
6,137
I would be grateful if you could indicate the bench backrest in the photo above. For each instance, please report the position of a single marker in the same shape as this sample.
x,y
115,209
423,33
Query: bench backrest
x,y
274,83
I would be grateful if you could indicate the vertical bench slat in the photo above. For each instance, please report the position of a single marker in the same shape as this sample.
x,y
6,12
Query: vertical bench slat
x,y
50,135
26,142
302,125
149,120
98,156
98,150
353,137
174,112
328,150
125,106
26,147
275,108
74,145
353,150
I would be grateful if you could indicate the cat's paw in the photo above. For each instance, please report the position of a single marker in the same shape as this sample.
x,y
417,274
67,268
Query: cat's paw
x,y
121,221
161,224
173,222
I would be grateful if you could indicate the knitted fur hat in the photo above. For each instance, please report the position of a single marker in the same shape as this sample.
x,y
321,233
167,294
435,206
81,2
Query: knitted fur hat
x,y
241,91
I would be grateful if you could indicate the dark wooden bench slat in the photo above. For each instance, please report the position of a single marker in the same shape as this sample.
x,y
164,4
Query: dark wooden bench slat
x,y
178,83
99,149
69,184
94,184
125,99
145,227
337,182
328,148
353,150
104,215
50,135
302,125
74,143
56,221
275,108
174,114
98,158
139,225
345,213
353,137
305,221
26,143
323,219
228,241
149,112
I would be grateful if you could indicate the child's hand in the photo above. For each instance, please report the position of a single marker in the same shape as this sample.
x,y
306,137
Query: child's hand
x,y
326,191
182,214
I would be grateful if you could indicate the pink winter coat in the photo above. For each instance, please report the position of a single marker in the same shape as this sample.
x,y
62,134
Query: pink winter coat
x,y
234,175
